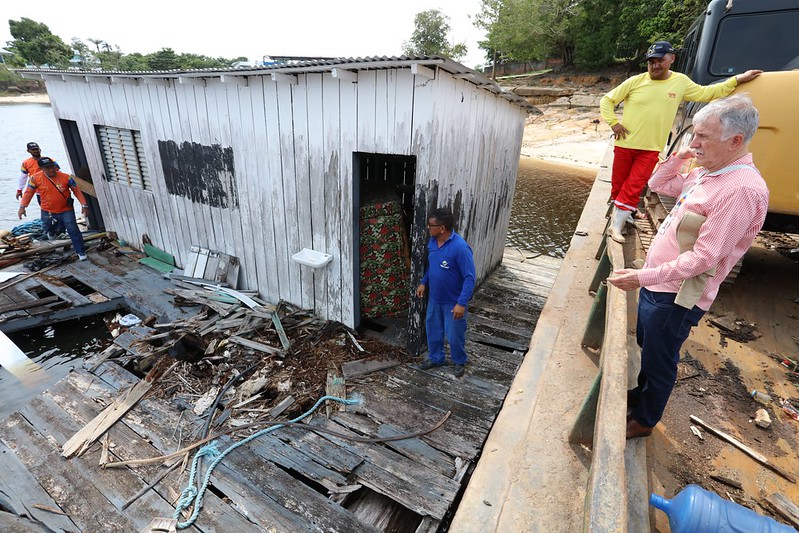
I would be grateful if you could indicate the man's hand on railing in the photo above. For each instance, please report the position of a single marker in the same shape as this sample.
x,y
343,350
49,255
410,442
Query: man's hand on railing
x,y
625,279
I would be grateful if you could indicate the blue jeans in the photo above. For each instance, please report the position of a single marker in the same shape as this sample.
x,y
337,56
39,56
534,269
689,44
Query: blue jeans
x,y
662,328
439,323
67,219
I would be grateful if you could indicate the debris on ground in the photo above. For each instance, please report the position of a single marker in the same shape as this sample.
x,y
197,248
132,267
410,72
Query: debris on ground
x,y
237,364
785,244
737,329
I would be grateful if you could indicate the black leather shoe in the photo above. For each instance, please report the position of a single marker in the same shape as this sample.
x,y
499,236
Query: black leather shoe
x,y
428,364
459,370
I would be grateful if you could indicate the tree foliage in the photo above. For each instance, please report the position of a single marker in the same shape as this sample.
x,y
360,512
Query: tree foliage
x,y
430,36
34,42
588,33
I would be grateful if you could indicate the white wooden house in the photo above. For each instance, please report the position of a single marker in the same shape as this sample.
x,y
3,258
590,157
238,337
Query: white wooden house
x,y
263,162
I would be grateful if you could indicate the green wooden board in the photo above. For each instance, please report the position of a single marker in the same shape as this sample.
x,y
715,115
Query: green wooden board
x,y
156,264
160,255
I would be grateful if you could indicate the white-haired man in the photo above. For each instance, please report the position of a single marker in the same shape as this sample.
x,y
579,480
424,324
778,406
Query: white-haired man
x,y
721,206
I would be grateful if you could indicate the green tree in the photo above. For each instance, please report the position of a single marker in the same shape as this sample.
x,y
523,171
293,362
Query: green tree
x,y
524,30
164,59
430,36
34,42
133,62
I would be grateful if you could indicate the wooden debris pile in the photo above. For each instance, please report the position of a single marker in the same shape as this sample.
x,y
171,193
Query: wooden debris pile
x,y
237,364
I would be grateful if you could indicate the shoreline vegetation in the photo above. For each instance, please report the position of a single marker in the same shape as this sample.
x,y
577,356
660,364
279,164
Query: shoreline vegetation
x,y
565,136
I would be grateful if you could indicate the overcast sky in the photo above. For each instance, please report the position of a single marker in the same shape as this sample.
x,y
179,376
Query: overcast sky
x,y
232,28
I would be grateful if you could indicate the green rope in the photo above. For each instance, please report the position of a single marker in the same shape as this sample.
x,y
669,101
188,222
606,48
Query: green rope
x,y
191,494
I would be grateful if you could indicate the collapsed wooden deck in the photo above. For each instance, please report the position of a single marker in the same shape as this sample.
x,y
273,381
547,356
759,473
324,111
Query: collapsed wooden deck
x,y
73,290
292,479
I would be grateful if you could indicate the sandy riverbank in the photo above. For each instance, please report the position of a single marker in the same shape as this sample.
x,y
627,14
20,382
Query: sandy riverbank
x,y
28,98
568,136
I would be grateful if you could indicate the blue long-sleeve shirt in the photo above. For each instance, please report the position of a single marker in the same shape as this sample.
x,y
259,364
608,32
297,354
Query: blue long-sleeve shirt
x,y
450,274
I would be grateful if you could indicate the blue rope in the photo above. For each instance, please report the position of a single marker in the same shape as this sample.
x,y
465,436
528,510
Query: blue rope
x,y
191,494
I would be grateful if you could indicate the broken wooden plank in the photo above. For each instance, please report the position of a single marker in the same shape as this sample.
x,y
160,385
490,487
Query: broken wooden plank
x,y
727,481
18,306
84,438
762,459
336,387
362,367
785,507
281,407
281,333
257,346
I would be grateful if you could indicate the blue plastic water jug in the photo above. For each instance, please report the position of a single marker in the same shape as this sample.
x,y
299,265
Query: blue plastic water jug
x,y
695,510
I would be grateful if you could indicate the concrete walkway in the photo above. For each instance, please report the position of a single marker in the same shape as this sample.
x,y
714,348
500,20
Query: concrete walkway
x,y
530,478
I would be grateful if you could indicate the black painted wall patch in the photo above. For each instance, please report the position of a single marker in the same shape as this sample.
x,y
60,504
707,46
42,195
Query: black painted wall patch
x,y
200,173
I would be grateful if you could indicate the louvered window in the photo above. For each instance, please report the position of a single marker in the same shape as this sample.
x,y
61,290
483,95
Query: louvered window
x,y
123,155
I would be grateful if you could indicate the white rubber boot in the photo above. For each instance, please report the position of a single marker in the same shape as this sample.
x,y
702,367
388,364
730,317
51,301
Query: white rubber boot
x,y
618,218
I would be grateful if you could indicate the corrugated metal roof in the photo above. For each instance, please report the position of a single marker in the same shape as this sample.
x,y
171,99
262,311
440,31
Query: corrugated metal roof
x,y
302,67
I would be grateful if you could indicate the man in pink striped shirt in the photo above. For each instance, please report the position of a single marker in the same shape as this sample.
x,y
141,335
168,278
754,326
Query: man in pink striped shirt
x,y
721,206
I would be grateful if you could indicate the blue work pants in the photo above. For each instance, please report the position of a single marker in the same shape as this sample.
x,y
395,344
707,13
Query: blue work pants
x,y
439,324
662,328
67,219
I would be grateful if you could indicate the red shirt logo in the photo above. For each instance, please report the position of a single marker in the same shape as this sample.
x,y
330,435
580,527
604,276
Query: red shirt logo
x,y
672,95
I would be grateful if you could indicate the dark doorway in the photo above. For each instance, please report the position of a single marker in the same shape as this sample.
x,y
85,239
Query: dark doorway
x,y
384,210
80,166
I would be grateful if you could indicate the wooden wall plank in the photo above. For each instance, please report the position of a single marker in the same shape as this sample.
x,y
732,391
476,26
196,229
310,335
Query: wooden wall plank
x,y
261,155
302,182
381,110
348,101
247,155
275,160
331,174
285,95
161,231
401,113
165,111
183,122
215,119
367,95
320,211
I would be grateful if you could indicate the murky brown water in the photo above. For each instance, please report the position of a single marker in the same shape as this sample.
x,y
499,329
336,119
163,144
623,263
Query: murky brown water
x,y
547,205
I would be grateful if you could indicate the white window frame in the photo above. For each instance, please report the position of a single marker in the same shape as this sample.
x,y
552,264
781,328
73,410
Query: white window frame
x,y
123,155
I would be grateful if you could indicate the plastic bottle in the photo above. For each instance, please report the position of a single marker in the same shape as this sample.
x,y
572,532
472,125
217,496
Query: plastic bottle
x,y
695,510
790,410
761,397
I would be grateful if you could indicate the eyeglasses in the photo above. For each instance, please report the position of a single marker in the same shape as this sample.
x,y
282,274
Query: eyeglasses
x,y
434,225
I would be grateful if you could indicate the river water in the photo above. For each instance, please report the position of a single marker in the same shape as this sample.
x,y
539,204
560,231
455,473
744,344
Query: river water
x,y
19,125
546,207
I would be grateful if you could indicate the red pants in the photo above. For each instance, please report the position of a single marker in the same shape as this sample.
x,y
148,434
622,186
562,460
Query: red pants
x,y
631,170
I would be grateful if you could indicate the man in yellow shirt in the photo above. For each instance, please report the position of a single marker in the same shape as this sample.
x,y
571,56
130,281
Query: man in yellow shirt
x,y
650,101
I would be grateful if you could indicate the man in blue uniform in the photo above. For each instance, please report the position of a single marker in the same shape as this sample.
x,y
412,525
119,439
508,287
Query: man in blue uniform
x,y
450,277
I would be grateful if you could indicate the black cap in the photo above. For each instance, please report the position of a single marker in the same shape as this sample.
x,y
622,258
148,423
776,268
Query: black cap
x,y
31,146
46,162
659,49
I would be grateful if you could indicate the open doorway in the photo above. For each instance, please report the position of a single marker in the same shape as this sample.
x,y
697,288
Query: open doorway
x,y
80,166
384,208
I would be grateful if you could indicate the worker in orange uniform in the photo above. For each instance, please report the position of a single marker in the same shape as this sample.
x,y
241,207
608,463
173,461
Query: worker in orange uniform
x,y
54,188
